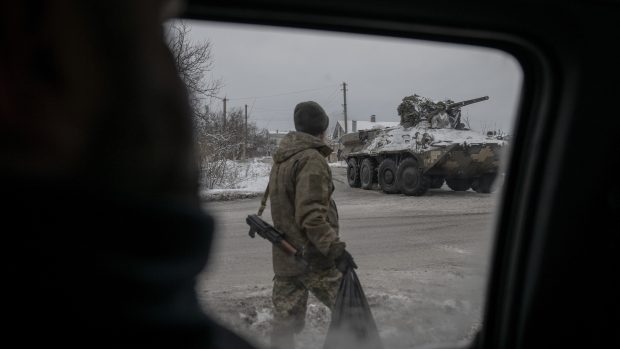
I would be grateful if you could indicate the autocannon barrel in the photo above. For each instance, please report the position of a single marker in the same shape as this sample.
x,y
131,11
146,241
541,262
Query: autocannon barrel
x,y
467,102
443,107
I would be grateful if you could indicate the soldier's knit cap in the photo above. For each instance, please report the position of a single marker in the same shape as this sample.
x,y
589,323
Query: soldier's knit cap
x,y
310,118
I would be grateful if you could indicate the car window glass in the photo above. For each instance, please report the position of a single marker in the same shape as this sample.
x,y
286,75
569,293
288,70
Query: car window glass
x,y
417,176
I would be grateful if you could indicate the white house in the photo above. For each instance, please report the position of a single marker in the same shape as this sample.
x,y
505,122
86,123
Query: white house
x,y
354,126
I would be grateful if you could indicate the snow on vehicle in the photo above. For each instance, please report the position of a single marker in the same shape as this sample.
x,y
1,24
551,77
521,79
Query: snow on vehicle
x,y
429,147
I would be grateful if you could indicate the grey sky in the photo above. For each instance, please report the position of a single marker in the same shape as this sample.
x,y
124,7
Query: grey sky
x,y
257,62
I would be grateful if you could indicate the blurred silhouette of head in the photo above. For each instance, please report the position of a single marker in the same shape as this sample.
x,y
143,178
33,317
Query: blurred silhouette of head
x,y
89,93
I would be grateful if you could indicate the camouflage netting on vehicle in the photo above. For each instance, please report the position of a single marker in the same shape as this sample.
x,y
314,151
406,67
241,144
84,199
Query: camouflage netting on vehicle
x,y
413,108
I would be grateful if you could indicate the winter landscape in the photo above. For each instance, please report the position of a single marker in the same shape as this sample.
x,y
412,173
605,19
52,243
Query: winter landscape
x,y
422,261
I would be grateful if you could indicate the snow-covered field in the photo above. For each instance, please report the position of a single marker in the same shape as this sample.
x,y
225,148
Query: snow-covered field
x,y
246,179
422,263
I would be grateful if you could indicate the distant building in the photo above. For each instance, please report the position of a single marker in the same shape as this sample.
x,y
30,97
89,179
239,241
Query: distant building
x,y
354,126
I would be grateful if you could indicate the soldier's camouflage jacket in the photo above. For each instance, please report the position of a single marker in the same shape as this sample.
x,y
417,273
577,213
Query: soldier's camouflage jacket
x,y
300,190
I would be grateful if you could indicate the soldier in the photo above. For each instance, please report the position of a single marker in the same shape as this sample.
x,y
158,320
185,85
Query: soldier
x,y
300,187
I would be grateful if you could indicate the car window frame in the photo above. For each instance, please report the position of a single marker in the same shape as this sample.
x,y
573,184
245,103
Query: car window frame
x,y
537,135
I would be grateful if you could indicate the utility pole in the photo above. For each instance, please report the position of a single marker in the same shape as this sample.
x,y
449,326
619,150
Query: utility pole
x,y
245,137
224,100
344,90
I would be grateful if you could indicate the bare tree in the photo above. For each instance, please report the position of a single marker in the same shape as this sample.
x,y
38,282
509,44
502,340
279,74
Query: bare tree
x,y
217,145
194,61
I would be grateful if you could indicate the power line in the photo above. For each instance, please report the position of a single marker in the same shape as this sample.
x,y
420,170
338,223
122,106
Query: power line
x,y
252,108
274,109
277,113
282,94
333,98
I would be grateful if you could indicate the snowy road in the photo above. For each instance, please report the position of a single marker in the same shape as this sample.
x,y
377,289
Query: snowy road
x,y
422,261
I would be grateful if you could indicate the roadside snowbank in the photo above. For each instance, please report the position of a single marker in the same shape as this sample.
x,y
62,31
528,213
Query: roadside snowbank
x,y
338,164
245,179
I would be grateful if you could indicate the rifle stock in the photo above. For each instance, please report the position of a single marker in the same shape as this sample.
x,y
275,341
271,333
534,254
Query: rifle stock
x,y
268,232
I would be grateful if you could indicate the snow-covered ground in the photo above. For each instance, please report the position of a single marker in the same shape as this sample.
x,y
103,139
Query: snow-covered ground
x,y
338,164
245,179
422,262
405,318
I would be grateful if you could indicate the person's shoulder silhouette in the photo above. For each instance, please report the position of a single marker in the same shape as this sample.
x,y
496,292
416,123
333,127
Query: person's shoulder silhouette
x,y
103,227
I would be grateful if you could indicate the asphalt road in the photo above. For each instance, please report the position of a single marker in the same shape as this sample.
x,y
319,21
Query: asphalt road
x,y
422,260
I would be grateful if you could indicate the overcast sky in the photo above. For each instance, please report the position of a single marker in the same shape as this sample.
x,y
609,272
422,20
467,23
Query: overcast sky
x,y
272,69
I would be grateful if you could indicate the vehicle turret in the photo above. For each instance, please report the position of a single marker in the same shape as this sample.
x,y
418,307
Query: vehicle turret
x,y
415,109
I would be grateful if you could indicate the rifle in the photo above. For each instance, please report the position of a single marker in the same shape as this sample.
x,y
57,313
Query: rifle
x,y
268,232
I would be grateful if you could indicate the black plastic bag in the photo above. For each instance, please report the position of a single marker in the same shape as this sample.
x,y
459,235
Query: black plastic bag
x,y
353,325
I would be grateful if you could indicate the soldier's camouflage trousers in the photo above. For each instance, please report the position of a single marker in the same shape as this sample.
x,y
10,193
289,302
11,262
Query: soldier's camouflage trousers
x,y
290,300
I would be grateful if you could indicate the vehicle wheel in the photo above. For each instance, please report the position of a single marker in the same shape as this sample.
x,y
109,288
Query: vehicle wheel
x,y
410,178
437,182
484,183
459,184
353,174
367,174
387,176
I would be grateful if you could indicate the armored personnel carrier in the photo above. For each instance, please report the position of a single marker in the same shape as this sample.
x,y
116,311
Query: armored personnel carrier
x,y
430,146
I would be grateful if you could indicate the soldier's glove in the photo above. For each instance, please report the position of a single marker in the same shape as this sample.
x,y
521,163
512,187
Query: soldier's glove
x,y
336,250
345,261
